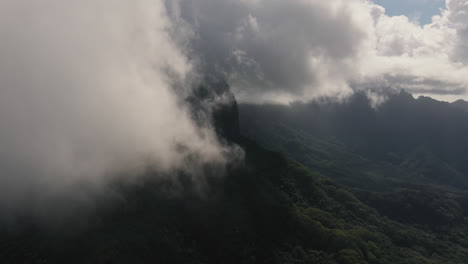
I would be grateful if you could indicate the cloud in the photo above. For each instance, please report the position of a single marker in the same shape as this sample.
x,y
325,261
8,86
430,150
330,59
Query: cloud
x,y
91,88
85,94
297,50
457,17
274,48
422,60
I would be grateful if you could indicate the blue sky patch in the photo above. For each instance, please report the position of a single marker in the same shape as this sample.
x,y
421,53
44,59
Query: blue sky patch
x,y
422,10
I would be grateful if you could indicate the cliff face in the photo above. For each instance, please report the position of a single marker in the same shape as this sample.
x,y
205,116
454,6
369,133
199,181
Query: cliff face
x,y
213,104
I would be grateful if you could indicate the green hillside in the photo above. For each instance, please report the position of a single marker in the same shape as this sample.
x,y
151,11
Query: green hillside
x,y
269,210
312,198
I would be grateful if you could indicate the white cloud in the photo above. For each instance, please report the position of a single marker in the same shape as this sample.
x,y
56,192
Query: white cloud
x,y
84,94
296,50
423,60
84,89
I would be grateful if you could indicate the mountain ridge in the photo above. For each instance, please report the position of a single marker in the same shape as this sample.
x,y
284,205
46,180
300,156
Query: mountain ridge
x,y
269,209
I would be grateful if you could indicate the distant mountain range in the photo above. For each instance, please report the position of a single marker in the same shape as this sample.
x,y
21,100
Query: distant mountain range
x,y
424,139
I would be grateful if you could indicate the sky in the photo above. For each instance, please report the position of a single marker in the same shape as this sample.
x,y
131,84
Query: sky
x,y
94,87
279,51
421,10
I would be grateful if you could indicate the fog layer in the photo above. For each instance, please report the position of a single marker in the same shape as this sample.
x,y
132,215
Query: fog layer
x,y
84,94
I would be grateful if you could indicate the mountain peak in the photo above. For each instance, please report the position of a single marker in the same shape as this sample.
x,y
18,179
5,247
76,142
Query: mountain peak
x,y
460,104
404,95
214,103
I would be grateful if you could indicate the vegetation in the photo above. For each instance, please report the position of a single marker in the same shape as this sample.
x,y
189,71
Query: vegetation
x,y
272,210
394,159
341,202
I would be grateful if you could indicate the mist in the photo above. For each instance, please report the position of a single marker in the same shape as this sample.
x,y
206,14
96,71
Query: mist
x,y
85,95
95,89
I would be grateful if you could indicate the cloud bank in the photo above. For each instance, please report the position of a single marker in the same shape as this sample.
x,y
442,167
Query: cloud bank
x,y
272,50
87,88
85,94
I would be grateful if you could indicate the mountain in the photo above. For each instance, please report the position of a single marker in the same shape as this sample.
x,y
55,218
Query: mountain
x,y
206,109
461,104
417,141
405,158
268,209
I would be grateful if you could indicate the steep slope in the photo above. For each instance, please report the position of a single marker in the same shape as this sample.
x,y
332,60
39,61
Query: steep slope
x,y
272,210
269,209
422,141
405,159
